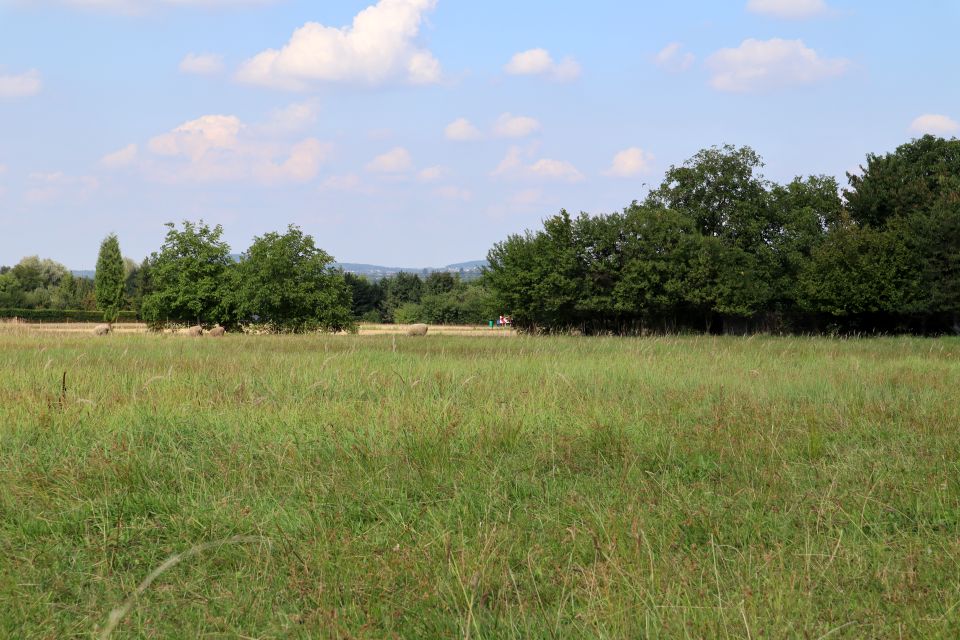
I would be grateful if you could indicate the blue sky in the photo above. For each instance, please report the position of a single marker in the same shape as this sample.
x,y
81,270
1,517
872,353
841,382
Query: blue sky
x,y
420,132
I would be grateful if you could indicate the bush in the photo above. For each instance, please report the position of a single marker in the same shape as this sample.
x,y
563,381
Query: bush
x,y
372,317
65,315
408,313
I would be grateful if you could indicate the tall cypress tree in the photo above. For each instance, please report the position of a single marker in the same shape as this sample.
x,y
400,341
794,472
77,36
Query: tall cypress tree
x,y
109,279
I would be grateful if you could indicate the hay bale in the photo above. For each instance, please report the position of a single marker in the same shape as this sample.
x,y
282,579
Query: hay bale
x,y
417,330
216,332
195,331
102,329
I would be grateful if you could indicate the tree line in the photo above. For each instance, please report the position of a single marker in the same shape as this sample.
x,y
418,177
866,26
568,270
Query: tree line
x,y
717,247
283,281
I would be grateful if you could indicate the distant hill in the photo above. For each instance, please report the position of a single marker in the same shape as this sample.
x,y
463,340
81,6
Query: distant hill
x,y
466,270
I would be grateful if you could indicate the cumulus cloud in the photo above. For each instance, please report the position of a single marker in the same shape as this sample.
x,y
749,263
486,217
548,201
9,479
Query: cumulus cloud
x,y
292,118
461,130
788,9
759,65
539,62
204,64
936,124
513,165
221,148
380,46
20,85
630,162
121,158
397,160
511,126
672,58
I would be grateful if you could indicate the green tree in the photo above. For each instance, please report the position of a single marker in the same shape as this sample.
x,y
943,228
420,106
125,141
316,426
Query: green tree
x,y
287,281
913,179
109,279
367,297
191,277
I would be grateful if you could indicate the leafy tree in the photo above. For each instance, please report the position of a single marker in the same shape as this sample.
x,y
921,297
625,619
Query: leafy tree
x,y
408,313
913,179
191,276
658,250
439,282
287,281
859,270
109,279
398,290
466,303
367,296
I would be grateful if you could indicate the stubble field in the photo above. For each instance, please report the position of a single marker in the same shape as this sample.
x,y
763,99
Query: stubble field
x,y
385,486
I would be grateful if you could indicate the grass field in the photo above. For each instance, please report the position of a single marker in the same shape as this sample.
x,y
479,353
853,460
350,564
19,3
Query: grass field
x,y
384,486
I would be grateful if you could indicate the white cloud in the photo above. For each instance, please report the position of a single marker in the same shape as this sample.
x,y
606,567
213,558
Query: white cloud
x,y
673,59
292,118
556,170
513,166
221,148
630,162
461,130
122,158
511,126
453,193
20,85
199,137
758,65
46,188
380,46
936,124
202,63
397,160
432,174
3,169
788,9
539,62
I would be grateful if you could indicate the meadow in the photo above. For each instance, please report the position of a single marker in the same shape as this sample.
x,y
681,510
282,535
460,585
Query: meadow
x,y
385,486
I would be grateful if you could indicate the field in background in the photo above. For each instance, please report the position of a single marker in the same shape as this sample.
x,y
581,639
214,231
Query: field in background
x,y
560,487
364,329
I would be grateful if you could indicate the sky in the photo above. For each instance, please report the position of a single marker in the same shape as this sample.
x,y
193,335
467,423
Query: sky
x,y
421,132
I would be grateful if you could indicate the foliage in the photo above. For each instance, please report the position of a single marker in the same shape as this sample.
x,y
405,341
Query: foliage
x,y
64,315
110,278
287,282
408,313
719,247
191,277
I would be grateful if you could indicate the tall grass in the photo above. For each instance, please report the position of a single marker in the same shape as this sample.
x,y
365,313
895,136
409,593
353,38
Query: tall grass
x,y
449,486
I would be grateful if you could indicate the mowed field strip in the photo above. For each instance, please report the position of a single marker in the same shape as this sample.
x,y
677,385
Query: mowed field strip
x,y
385,486
364,329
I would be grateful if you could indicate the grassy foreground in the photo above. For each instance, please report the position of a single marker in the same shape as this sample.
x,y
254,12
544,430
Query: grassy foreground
x,y
448,486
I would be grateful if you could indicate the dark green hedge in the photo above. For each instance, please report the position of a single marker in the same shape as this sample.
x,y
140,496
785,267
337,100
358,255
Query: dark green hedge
x,y
64,315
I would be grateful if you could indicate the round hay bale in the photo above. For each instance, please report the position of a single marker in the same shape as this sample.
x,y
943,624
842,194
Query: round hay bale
x,y
417,330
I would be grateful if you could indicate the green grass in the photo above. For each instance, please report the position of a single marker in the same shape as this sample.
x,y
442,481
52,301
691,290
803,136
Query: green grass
x,y
443,487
